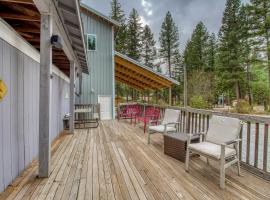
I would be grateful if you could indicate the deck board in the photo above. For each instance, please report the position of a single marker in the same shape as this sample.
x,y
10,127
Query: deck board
x,y
115,162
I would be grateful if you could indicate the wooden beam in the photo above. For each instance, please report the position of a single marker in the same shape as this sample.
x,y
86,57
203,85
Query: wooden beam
x,y
29,2
26,35
71,96
138,76
128,83
36,39
45,96
19,17
149,74
131,80
27,29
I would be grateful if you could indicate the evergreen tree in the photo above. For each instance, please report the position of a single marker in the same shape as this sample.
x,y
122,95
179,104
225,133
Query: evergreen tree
x,y
229,48
246,58
134,34
148,47
198,47
169,41
260,21
211,53
118,15
120,37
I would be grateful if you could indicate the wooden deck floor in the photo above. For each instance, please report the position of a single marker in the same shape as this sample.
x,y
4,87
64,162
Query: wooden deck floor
x,y
114,162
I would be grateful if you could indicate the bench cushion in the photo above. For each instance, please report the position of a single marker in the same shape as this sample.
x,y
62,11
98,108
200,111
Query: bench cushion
x,y
161,128
211,149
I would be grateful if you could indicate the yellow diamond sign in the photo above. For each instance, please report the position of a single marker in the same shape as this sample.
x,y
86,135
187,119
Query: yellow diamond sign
x,y
3,90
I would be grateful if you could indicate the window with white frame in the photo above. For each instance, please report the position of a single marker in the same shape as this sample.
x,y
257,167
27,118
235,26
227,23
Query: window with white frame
x,y
91,42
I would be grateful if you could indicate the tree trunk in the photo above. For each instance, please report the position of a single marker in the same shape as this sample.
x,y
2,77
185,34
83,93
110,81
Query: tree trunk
x,y
237,91
249,87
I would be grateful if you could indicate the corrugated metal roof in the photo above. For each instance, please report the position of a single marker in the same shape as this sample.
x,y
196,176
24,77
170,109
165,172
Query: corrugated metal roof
x,y
69,12
99,14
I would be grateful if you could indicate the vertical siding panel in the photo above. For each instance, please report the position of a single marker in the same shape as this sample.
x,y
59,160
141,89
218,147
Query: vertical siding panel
x,y
14,112
26,110
30,109
6,119
2,186
20,111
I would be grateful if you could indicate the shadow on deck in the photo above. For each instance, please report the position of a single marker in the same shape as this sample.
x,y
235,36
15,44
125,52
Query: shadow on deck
x,y
115,162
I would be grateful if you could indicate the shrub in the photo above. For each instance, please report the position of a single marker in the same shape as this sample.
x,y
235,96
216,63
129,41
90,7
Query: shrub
x,y
198,101
243,107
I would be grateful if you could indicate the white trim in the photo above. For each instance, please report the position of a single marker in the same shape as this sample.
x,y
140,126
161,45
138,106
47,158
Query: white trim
x,y
8,34
95,35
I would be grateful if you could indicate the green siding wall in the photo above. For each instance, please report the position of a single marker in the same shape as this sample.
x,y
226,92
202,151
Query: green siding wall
x,y
101,76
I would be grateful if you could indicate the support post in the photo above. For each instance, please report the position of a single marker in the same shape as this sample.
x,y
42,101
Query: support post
x,y
71,96
170,96
45,95
185,86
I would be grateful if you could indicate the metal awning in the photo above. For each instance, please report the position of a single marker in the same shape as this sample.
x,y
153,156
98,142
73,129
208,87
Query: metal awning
x,y
69,12
138,76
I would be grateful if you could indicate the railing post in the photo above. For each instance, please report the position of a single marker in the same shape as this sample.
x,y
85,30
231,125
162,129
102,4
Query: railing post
x,y
265,147
187,122
71,96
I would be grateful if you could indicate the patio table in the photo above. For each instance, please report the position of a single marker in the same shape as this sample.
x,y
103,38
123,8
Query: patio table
x,y
175,144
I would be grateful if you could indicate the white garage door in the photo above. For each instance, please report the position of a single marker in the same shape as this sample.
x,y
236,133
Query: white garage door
x,y
105,107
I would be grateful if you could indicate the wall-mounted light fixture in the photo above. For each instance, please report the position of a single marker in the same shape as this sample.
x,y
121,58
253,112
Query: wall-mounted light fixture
x,y
56,41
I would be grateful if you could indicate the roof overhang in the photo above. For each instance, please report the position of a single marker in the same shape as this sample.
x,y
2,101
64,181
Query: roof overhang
x,y
138,76
24,17
69,12
98,15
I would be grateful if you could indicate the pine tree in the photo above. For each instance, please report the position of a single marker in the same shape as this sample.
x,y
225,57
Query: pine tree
x,y
211,53
134,34
169,41
148,47
197,48
229,48
260,20
119,37
118,15
246,46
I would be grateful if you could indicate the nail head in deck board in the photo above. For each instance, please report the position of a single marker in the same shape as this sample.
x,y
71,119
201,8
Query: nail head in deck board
x,y
45,95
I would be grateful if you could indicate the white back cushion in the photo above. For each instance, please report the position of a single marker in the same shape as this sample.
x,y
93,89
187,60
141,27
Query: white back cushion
x,y
223,129
171,116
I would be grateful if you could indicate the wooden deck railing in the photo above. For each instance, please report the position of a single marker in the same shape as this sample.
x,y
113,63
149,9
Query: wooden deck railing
x,y
254,148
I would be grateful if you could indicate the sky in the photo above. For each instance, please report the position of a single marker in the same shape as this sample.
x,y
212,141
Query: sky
x,y
186,13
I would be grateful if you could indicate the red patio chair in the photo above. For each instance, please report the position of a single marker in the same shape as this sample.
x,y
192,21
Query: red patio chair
x,y
151,114
129,112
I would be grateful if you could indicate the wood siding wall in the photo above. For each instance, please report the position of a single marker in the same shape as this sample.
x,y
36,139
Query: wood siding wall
x,y
100,62
19,111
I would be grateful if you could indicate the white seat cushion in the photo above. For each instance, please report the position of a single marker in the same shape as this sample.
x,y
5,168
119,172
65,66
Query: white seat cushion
x,y
211,149
161,128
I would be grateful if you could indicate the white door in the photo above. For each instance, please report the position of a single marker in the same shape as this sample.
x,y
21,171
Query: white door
x,y
105,107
